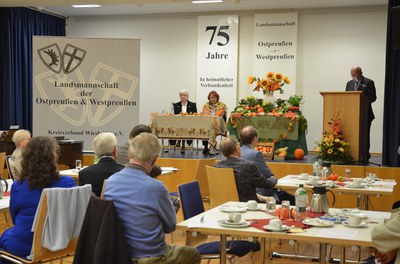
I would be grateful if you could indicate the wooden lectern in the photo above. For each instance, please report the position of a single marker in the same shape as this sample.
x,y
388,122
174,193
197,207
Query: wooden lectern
x,y
353,107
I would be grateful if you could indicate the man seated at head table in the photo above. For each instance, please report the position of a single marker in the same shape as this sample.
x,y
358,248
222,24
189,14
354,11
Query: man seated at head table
x,y
20,138
106,148
123,158
249,138
144,207
247,176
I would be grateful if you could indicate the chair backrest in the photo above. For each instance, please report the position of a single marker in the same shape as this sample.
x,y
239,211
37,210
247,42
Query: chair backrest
x,y
222,185
201,176
41,253
191,201
2,162
10,174
102,189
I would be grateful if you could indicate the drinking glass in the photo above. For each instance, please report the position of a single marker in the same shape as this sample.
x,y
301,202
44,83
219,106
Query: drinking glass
x,y
271,206
78,164
285,210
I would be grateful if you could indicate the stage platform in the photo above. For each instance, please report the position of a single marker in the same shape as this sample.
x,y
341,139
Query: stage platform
x,y
192,153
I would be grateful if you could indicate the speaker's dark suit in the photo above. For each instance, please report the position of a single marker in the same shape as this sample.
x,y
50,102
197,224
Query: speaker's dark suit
x,y
97,173
368,87
247,177
190,107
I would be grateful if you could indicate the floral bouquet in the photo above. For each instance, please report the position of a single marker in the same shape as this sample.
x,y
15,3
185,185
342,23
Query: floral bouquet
x,y
271,83
332,147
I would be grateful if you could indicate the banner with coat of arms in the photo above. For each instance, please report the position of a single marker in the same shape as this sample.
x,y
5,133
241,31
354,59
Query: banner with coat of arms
x,y
82,87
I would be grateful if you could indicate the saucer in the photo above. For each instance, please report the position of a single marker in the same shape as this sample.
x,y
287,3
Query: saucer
x,y
233,209
355,187
362,224
275,229
317,222
227,223
255,209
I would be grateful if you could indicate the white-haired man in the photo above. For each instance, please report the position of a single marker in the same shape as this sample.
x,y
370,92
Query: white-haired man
x,y
106,148
21,138
144,207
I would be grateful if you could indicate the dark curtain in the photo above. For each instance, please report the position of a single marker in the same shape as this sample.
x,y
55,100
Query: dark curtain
x,y
391,116
17,26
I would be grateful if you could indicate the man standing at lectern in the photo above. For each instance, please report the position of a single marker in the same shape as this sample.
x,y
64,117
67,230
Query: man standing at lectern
x,y
361,83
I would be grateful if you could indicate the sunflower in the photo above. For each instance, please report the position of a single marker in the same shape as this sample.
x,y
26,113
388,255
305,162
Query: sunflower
x,y
286,80
251,79
278,77
330,151
264,82
270,75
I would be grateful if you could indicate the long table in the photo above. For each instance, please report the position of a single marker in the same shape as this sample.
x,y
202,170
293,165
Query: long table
x,y
378,188
189,127
207,223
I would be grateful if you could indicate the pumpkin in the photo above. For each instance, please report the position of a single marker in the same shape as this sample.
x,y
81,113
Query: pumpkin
x,y
298,154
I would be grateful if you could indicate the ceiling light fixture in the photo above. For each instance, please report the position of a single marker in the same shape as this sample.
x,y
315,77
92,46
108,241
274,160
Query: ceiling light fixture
x,y
206,1
85,6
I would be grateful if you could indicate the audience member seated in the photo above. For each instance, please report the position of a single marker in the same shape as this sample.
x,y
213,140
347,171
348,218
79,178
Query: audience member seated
x,y
183,106
39,170
21,138
386,238
155,171
214,108
106,148
124,150
144,207
246,172
249,138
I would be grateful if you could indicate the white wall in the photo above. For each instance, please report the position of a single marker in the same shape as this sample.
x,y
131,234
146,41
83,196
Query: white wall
x,y
329,44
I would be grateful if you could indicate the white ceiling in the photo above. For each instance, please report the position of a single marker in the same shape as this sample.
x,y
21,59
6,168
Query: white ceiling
x,y
155,7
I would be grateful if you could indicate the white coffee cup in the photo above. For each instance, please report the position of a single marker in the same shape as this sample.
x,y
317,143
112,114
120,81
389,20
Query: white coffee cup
x,y
354,220
276,224
304,176
357,182
252,205
235,217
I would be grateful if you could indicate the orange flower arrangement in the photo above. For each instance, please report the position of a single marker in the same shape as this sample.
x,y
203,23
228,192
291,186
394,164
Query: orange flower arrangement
x,y
271,83
332,147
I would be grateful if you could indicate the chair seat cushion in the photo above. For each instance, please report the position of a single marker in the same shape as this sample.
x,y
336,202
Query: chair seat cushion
x,y
238,248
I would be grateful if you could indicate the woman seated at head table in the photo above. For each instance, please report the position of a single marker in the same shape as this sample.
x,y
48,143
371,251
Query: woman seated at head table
x,y
183,106
39,170
214,108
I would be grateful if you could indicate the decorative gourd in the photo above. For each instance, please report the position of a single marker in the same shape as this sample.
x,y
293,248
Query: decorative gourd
x,y
298,154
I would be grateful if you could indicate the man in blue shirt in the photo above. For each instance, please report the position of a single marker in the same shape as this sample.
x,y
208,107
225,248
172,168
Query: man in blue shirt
x,y
144,207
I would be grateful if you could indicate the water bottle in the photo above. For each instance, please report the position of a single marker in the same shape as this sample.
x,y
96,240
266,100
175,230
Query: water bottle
x,y
301,202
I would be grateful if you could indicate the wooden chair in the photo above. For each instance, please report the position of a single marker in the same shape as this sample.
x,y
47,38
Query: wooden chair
x,y
192,205
10,174
222,184
201,177
102,189
40,253
2,162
